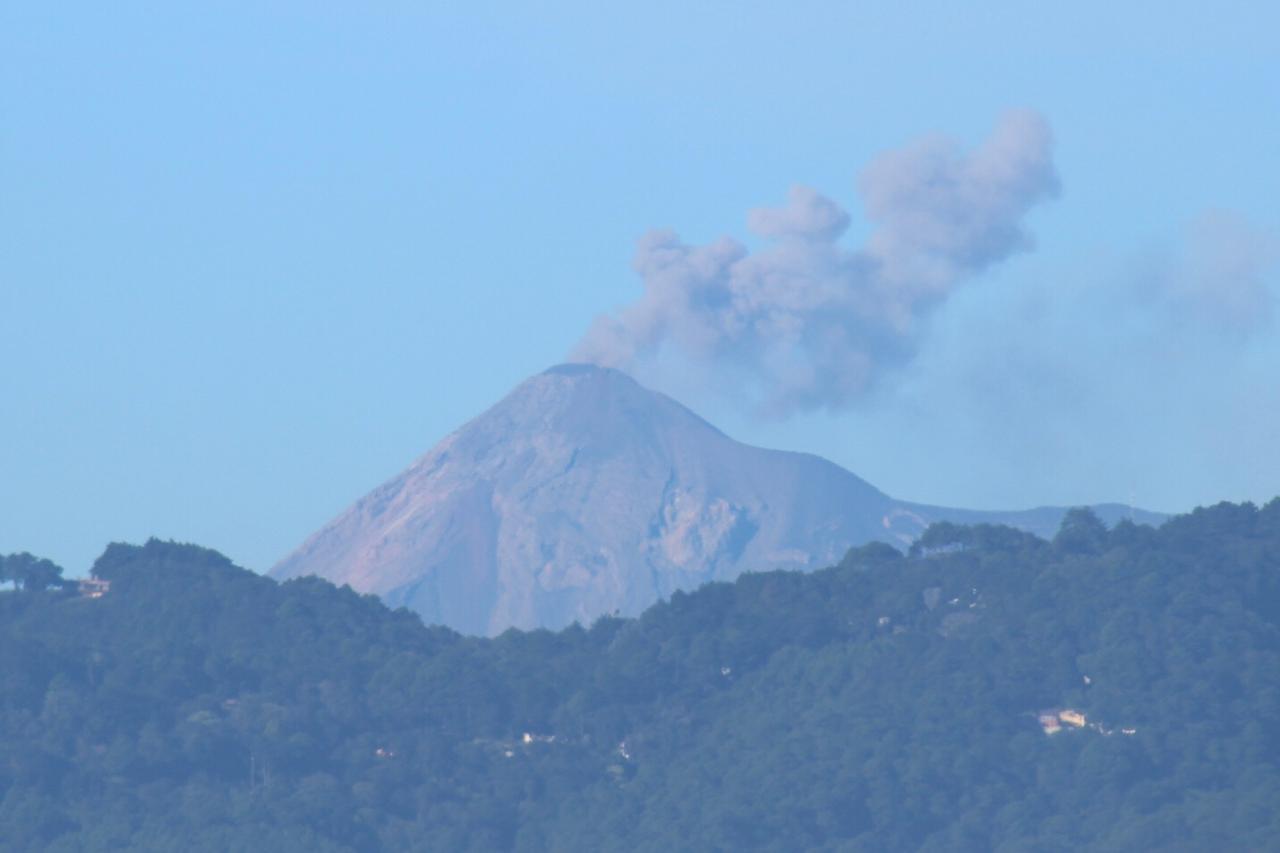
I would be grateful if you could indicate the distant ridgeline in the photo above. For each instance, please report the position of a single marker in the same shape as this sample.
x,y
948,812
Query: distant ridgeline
x,y
888,703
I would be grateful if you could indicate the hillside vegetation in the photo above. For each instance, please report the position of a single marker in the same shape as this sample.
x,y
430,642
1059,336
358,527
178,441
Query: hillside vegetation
x,y
887,703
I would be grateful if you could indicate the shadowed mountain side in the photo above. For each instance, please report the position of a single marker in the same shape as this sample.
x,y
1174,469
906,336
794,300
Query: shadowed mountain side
x,y
582,494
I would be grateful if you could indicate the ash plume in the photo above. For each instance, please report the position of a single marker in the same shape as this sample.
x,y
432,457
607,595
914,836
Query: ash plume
x,y
1217,280
807,323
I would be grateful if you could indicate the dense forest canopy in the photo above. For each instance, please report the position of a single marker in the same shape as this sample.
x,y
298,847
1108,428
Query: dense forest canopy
x,y
26,571
892,702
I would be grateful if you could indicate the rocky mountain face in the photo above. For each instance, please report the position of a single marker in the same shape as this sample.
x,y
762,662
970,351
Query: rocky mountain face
x,y
582,494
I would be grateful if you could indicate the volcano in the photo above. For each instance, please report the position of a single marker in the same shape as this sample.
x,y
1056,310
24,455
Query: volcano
x,y
582,493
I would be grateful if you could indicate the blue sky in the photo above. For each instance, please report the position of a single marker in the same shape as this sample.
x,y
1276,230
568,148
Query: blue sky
x,y
253,260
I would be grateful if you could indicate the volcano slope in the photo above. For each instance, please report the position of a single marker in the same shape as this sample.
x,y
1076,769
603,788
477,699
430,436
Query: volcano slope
x,y
582,494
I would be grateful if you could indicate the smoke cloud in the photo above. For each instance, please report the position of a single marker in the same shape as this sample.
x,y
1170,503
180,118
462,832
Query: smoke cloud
x,y
1217,280
809,324
1142,375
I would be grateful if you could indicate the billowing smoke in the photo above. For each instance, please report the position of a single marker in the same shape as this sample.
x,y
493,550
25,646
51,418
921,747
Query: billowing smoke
x,y
812,324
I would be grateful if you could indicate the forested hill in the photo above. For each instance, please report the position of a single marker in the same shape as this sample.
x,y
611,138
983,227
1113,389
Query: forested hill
x,y
889,703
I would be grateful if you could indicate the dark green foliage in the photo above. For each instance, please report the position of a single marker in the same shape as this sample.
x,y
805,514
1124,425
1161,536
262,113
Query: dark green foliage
x,y
1082,532
884,704
30,573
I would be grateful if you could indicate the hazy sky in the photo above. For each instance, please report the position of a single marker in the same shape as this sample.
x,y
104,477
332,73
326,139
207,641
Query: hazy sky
x,y
255,258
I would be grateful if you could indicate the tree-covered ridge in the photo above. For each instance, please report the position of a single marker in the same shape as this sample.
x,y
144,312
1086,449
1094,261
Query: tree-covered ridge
x,y
888,703
31,573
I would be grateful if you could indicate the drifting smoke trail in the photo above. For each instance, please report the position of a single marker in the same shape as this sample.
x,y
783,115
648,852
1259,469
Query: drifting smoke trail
x,y
812,323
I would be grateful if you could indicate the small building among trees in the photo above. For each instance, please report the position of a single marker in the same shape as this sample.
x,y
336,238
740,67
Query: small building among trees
x,y
94,587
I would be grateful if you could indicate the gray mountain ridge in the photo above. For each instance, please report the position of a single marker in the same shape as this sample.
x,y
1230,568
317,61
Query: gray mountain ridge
x,y
582,493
